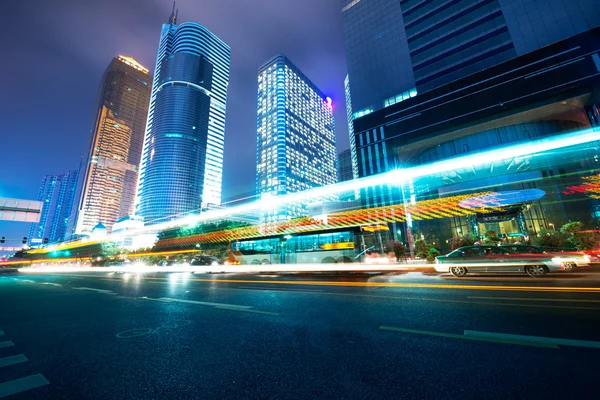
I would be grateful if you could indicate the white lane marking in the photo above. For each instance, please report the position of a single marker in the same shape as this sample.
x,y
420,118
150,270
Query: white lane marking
x,y
6,361
535,339
22,384
279,289
95,290
150,298
204,303
1,333
27,280
8,343
246,310
52,284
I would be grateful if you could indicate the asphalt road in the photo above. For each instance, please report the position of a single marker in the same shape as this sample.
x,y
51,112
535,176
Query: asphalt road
x,y
353,336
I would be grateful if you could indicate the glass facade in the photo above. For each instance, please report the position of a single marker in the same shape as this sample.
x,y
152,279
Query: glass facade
x,y
393,46
345,166
182,159
109,176
377,53
350,117
546,99
57,193
295,135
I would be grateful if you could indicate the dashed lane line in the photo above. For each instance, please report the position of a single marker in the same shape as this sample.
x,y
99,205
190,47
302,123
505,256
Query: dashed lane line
x,y
12,360
246,310
203,303
104,291
7,343
1,333
22,384
219,306
468,337
281,290
534,339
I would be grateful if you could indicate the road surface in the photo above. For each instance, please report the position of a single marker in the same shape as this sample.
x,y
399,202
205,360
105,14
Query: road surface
x,y
315,336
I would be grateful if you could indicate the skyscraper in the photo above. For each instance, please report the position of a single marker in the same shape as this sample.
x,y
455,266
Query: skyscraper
x,y
182,160
349,117
109,176
345,166
57,193
398,48
295,135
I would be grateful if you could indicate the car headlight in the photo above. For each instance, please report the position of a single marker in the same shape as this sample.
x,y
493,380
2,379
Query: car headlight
x,y
587,258
214,263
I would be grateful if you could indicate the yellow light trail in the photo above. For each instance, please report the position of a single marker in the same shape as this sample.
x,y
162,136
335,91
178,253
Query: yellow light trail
x,y
557,289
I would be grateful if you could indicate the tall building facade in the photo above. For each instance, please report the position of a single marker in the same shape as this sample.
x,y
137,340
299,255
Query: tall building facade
x,y
182,160
295,147
345,166
398,48
109,175
464,138
57,193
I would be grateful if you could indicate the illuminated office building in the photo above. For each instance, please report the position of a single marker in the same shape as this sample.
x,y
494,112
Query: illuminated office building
x,y
57,193
182,161
108,177
295,136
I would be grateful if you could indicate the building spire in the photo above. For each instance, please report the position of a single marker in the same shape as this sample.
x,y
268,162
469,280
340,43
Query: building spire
x,y
173,17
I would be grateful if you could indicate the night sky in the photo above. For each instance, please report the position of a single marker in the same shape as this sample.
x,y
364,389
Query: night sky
x,y
54,54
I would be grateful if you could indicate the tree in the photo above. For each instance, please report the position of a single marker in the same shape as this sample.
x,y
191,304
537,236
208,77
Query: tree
x,y
575,238
491,237
465,240
426,251
548,238
397,248
571,228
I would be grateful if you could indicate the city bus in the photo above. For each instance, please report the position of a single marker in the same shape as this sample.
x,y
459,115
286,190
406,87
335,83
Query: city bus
x,y
342,245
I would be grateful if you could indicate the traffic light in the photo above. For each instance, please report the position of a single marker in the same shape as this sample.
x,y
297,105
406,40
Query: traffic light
x,y
24,241
45,240
3,239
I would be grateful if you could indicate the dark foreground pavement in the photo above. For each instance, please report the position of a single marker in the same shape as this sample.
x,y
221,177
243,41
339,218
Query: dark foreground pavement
x,y
179,336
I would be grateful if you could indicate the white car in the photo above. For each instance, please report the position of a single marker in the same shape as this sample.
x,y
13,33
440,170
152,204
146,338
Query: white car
x,y
496,259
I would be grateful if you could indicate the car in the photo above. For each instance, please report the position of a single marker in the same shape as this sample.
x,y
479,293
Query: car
x,y
571,258
205,260
495,259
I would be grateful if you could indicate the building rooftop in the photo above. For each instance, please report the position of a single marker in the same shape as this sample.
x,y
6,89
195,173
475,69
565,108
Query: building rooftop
x,y
132,63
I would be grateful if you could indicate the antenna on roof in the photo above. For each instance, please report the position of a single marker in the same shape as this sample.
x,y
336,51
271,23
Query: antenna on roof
x,y
173,17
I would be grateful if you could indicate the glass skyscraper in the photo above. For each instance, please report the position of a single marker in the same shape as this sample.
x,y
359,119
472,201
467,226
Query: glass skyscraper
x,y
57,193
108,177
398,48
295,135
345,166
182,159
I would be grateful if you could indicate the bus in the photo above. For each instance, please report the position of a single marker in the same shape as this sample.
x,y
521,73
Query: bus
x,y
342,245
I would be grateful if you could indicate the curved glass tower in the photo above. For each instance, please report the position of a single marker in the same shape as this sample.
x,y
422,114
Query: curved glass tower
x,y
182,160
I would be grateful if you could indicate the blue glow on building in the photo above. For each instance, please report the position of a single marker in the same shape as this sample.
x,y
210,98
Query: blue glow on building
x,y
182,160
57,192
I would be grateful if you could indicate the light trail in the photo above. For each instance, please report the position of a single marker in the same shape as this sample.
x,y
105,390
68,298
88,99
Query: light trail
x,y
396,177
